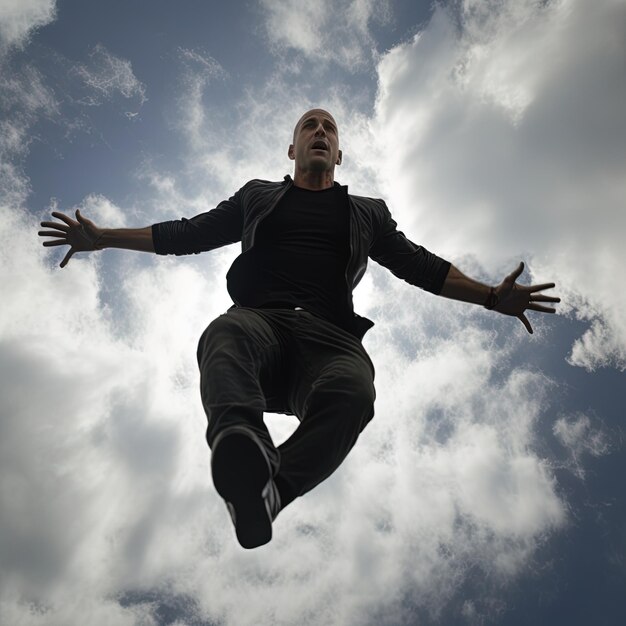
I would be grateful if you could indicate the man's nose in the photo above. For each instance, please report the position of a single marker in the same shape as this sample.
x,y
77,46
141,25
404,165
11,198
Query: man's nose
x,y
320,130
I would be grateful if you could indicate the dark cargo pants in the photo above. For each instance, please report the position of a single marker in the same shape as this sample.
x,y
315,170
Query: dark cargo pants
x,y
292,362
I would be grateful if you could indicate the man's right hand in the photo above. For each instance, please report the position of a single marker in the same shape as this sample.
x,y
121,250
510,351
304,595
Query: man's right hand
x,y
81,235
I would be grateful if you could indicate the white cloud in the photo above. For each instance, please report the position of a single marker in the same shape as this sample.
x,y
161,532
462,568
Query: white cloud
x,y
24,97
107,76
18,18
326,31
227,146
201,62
105,483
599,346
445,478
200,70
92,447
504,136
582,435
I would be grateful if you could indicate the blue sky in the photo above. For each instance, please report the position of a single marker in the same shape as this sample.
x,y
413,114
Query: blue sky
x,y
489,486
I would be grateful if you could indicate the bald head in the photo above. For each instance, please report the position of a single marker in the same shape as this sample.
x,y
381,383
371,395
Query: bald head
x,y
312,113
315,149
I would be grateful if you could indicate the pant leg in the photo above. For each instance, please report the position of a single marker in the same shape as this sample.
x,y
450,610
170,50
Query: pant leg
x,y
332,396
238,354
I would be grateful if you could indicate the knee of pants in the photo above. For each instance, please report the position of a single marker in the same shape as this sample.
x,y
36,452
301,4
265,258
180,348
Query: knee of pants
x,y
223,334
354,398
365,397
368,396
361,392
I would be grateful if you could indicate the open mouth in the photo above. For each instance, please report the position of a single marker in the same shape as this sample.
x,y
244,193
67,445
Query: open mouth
x,y
319,145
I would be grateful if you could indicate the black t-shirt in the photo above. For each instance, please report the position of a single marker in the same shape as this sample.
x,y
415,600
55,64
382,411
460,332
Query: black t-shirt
x,y
300,255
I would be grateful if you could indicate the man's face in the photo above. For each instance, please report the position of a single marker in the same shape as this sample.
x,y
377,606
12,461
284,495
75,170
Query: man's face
x,y
315,144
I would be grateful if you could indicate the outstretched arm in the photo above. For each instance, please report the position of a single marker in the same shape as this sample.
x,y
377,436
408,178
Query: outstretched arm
x,y
508,298
82,235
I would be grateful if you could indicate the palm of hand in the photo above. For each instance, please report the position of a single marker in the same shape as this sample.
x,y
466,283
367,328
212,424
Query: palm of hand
x,y
514,299
80,234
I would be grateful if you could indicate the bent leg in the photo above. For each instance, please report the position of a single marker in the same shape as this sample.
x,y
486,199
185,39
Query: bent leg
x,y
236,354
334,401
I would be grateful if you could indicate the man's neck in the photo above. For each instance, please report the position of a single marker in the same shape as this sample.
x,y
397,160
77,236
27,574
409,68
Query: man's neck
x,y
314,181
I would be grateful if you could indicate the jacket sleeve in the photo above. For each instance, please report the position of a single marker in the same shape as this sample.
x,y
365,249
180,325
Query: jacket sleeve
x,y
407,260
215,228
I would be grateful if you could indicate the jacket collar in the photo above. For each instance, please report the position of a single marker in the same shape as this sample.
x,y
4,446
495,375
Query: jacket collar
x,y
287,180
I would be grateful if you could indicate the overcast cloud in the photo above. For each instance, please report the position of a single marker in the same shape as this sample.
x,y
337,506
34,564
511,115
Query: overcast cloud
x,y
512,131
496,134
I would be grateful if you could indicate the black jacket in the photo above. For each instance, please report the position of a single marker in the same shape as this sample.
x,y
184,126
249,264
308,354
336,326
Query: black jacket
x,y
372,230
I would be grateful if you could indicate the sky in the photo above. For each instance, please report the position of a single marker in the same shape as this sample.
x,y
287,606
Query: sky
x,y
488,489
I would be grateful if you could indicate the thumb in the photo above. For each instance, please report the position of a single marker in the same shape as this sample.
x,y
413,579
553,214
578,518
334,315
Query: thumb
x,y
517,271
80,218
67,257
526,323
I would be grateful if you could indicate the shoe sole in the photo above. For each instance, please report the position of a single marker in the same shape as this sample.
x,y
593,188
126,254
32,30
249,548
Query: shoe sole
x,y
240,474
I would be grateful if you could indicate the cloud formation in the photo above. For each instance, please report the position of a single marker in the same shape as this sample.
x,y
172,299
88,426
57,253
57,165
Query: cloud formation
x,y
106,76
108,513
24,98
503,128
88,405
103,428
18,18
103,424
583,435
325,31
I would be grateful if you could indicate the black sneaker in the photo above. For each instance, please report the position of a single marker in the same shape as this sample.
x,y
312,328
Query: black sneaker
x,y
242,475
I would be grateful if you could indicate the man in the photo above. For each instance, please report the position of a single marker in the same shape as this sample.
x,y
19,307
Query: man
x,y
291,343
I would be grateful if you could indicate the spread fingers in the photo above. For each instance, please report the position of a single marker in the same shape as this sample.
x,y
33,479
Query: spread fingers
x,y
64,218
51,233
56,225
538,307
541,298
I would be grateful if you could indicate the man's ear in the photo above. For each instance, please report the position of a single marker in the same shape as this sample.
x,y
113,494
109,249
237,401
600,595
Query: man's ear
x,y
291,153
339,157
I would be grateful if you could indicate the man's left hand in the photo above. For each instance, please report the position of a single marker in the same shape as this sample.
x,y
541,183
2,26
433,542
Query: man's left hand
x,y
514,299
